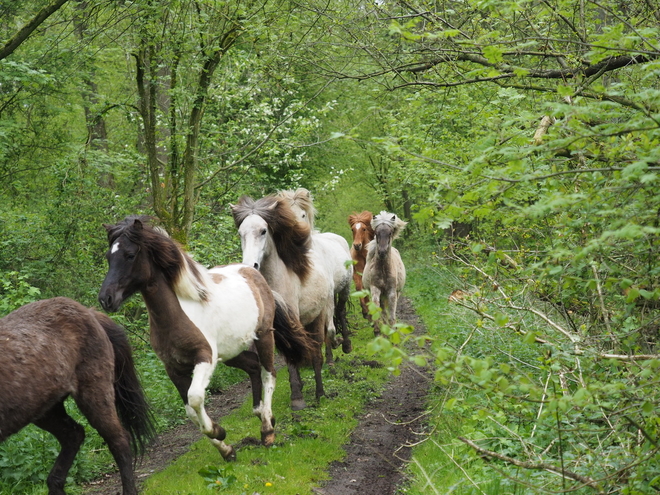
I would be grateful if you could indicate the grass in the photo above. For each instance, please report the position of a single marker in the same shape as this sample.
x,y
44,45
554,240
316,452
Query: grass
x,y
307,441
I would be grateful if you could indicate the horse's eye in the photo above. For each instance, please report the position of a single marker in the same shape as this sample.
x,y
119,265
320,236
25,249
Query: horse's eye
x,y
263,231
130,256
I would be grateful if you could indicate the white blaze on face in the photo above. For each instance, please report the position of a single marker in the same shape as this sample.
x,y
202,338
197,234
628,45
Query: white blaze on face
x,y
115,248
358,226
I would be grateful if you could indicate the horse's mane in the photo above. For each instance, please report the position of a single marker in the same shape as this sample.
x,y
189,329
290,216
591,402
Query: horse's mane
x,y
385,218
183,274
303,199
365,217
292,238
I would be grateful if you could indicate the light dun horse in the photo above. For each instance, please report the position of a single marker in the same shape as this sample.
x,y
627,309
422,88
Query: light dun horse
x,y
56,348
336,262
363,234
384,274
278,245
198,317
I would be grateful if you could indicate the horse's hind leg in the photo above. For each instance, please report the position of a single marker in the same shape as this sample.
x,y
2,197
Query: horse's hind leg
x,y
317,328
262,379
342,320
70,435
96,402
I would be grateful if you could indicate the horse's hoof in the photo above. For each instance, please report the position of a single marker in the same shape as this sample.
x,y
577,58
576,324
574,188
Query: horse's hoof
x,y
298,404
230,456
267,439
346,346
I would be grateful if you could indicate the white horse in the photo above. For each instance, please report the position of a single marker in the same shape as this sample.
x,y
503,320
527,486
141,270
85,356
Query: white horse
x,y
336,261
384,273
279,246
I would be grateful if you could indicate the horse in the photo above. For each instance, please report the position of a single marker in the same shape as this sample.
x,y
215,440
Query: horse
x,y
384,273
363,234
279,246
198,317
336,259
56,348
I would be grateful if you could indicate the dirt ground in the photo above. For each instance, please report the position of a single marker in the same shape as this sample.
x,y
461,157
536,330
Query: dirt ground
x,y
378,449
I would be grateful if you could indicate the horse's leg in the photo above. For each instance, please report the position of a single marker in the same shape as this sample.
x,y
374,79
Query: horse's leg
x,y
330,332
340,313
375,297
265,345
96,401
249,362
200,379
70,435
295,382
364,301
393,301
317,330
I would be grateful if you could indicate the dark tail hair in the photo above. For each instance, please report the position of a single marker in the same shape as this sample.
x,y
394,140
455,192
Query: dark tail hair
x,y
291,338
134,411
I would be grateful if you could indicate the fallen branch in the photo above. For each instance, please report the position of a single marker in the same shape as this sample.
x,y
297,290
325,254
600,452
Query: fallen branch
x,y
539,466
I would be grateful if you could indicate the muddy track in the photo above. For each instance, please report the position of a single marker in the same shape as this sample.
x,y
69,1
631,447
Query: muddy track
x,y
375,456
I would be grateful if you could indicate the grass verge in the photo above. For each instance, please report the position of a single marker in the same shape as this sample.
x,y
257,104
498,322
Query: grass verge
x,y
307,441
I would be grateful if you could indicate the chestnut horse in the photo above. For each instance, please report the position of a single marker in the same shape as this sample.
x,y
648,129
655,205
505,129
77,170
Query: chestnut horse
x,y
336,261
56,348
198,317
363,234
384,273
279,246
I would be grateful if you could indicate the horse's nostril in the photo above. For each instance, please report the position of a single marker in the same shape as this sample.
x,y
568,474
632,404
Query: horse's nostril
x,y
256,266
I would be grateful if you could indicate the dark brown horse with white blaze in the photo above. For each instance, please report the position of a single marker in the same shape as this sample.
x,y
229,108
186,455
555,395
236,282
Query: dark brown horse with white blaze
x,y
198,317
363,234
56,348
384,273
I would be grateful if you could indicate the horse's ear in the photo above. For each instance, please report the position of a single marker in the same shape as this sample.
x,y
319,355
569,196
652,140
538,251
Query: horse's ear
x,y
232,207
107,227
137,224
393,218
272,206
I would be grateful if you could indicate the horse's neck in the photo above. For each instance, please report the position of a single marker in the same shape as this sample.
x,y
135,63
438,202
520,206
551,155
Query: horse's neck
x,y
167,320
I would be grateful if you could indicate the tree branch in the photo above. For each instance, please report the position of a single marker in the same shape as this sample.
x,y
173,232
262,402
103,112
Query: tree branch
x,y
29,28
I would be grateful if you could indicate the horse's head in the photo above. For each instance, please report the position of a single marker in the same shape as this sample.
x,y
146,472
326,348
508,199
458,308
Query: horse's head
x,y
361,227
301,203
128,268
387,227
269,227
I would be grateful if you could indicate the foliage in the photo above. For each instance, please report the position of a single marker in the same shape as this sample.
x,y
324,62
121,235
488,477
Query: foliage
x,y
218,478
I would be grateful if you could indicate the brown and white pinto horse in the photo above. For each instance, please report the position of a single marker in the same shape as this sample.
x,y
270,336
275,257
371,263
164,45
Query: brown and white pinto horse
x,y
56,348
363,234
198,317
384,273
336,261
279,246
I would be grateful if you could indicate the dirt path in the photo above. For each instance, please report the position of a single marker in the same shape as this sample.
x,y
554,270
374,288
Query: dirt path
x,y
378,448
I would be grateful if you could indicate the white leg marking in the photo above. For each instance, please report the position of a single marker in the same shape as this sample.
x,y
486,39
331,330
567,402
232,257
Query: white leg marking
x,y
196,393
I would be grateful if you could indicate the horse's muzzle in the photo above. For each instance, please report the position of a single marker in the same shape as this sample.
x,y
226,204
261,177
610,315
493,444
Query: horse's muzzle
x,y
357,247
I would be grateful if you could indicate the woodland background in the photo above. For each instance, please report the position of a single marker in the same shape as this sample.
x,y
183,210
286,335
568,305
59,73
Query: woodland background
x,y
521,139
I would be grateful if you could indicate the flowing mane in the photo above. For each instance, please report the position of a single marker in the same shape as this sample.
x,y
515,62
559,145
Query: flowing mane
x,y
390,219
292,238
365,218
303,199
183,274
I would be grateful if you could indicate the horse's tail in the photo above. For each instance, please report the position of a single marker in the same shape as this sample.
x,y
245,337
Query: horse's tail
x,y
291,339
132,406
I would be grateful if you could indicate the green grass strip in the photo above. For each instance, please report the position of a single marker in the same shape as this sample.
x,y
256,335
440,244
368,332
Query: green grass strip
x,y
307,441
